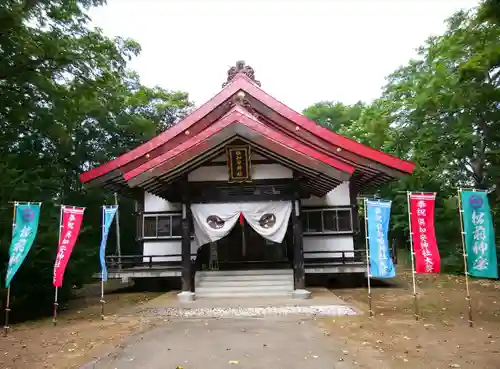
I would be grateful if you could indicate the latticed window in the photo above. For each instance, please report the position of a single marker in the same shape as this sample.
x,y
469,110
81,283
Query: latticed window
x,y
327,221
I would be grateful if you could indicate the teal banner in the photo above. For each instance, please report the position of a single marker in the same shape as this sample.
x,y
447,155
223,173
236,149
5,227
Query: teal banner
x,y
479,235
24,233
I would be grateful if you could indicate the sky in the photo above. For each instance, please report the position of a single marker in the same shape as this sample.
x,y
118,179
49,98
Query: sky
x,y
303,51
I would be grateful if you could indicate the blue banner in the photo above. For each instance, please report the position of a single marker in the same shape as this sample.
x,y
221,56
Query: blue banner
x,y
378,213
108,213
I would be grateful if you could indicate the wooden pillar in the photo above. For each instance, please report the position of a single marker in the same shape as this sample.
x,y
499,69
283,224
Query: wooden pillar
x,y
186,249
353,197
298,249
139,213
357,238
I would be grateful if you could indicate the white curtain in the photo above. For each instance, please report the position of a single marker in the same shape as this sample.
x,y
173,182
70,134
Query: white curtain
x,y
214,221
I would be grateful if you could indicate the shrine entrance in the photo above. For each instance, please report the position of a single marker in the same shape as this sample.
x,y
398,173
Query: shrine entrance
x,y
244,248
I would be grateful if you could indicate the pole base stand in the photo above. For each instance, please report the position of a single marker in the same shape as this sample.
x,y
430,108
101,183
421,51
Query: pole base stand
x,y
186,296
301,294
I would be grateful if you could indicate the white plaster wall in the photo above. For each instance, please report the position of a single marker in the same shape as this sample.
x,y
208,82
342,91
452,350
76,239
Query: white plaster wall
x,y
338,196
154,203
325,243
167,247
259,171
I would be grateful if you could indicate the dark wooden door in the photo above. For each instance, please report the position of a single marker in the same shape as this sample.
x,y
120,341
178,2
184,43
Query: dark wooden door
x,y
244,244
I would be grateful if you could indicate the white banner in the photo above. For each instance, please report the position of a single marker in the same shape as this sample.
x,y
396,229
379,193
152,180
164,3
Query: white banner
x,y
214,221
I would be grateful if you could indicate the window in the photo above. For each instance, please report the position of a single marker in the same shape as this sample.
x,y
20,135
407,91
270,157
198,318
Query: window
x,y
150,226
327,221
176,226
162,225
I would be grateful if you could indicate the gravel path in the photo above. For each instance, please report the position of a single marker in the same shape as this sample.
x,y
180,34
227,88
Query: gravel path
x,y
251,343
220,312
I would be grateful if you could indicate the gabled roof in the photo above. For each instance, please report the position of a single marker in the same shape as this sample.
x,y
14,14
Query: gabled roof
x,y
324,172
372,167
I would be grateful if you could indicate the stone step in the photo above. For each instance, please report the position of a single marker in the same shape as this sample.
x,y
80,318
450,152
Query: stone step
x,y
247,288
243,294
243,283
246,272
242,278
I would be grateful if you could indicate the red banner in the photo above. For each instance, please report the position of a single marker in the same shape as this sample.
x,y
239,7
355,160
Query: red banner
x,y
427,258
70,228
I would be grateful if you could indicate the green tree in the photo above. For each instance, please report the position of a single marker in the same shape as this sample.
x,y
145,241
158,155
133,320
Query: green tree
x,y
67,103
490,10
334,115
441,111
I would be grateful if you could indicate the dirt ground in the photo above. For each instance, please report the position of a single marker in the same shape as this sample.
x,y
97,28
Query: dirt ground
x,y
392,339
80,335
441,339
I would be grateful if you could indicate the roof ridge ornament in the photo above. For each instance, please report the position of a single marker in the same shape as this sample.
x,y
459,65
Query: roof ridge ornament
x,y
240,67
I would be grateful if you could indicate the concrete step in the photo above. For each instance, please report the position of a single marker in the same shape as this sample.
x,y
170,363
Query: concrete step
x,y
244,283
242,278
246,272
247,288
243,294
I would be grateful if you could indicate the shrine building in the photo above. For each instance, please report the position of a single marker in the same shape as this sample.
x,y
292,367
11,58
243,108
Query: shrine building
x,y
245,197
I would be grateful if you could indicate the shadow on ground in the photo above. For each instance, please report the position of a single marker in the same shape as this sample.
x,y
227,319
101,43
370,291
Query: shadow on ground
x,y
349,281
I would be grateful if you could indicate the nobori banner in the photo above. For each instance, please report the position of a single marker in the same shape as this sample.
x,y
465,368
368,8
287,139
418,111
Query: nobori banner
x,y
379,213
70,228
24,233
427,259
108,214
479,235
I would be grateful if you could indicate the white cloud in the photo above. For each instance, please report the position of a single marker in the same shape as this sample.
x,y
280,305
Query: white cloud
x,y
302,51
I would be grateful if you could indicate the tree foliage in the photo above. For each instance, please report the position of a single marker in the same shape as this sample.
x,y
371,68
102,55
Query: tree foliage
x,y
334,115
68,102
441,111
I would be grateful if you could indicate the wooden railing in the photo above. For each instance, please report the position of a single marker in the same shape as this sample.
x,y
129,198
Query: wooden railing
x,y
334,258
115,262
330,258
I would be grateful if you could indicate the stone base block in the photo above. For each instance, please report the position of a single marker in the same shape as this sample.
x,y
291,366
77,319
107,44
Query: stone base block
x,y
186,296
301,294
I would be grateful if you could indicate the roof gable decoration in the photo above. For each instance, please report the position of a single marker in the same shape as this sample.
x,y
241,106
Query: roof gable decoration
x,y
240,67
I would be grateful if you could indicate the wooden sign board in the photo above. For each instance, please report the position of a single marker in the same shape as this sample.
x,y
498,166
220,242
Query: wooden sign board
x,y
239,163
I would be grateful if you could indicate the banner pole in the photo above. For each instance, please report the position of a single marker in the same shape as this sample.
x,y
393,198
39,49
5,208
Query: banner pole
x,y
464,252
412,252
368,271
7,310
54,319
102,272
118,243
7,302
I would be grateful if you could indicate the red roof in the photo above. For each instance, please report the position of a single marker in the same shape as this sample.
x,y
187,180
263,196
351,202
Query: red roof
x,y
236,115
237,123
371,165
